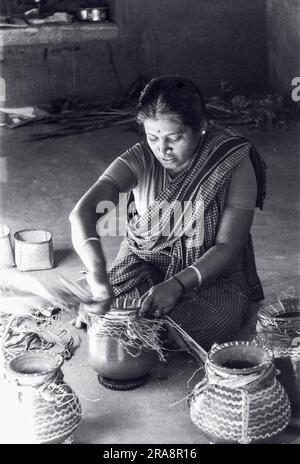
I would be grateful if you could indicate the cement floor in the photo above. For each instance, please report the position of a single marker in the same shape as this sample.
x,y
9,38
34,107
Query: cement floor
x,y
40,183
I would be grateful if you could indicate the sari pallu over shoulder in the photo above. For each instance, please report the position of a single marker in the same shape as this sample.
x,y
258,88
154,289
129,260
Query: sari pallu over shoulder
x,y
198,186
203,186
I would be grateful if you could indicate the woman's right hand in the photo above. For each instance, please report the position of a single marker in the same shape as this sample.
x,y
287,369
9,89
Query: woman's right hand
x,y
102,297
101,291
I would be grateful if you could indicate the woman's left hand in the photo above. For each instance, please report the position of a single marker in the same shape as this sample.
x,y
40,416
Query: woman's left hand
x,y
161,298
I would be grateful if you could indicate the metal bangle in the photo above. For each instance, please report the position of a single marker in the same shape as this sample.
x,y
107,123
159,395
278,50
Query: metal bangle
x,y
88,240
198,274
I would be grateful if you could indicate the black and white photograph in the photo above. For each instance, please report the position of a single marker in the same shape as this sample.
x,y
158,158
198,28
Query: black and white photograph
x,y
149,225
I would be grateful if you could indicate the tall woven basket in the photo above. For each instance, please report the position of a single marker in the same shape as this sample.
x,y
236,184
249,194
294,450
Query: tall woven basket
x,y
34,250
278,327
43,408
240,400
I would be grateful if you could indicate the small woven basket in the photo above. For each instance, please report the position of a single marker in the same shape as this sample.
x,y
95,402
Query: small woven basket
x,y
34,250
6,251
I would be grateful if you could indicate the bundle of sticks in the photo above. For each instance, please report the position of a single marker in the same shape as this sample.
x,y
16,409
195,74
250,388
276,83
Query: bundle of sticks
x,y
73,121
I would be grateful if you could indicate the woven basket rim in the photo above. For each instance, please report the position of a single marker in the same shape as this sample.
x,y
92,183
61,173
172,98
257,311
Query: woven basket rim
x,y
33,230
57,357
267,310
218,347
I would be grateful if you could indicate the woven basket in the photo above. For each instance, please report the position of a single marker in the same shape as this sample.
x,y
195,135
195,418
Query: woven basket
x,y
34,250
240,400
6,252
278,327
42,406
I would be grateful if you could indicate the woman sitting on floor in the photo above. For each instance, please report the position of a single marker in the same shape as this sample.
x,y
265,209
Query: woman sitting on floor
x,y
187,251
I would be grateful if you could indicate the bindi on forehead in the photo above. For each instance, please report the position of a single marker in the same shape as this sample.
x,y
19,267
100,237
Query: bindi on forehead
x,y
163,126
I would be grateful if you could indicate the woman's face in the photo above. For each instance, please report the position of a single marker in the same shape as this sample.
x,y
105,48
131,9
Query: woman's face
x,y
172,142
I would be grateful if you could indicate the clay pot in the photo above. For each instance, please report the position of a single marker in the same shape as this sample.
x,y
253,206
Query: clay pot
x,y
44,406
278,327
109,353
240,400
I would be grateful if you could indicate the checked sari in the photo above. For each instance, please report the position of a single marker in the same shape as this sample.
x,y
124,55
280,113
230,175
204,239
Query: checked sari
x,y
148,256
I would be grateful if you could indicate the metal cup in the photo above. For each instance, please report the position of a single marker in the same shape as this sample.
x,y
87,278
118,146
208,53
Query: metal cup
x,y
95,14
99,14
84,15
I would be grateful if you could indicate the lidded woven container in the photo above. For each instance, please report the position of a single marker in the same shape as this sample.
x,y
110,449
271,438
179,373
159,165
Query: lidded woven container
x,y
34,250
43,406
6,252
278,327
240,399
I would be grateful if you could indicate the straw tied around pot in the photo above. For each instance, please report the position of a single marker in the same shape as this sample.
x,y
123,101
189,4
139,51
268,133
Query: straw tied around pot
x,y
240,400
123,348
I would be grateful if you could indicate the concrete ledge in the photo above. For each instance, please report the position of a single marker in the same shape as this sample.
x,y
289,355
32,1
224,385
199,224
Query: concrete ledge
x,y
56,34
